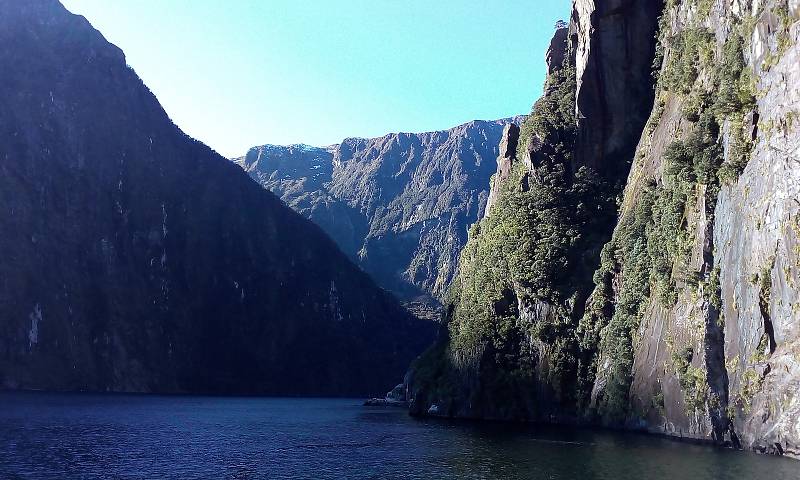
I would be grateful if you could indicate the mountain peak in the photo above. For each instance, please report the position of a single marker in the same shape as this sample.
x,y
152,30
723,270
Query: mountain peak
x,y
399,205
167,268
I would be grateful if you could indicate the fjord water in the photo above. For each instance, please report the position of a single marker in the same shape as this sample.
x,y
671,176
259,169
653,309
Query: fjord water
x,y
86,436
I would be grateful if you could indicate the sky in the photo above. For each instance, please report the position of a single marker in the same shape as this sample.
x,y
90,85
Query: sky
x,y
240,73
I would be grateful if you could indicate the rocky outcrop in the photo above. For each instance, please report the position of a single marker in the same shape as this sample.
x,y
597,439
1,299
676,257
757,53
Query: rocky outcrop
x,y
511,350
556,52
398,205
505,161
394,398
137,259
614,42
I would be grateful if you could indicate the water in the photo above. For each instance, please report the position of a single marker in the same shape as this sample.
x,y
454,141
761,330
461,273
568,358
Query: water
x,y
57,436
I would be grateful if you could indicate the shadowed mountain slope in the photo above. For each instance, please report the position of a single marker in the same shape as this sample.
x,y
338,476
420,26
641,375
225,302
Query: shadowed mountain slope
x,y
137,259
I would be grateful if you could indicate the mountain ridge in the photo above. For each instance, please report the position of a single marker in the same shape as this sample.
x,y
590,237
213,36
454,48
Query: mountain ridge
x,y
361,192
138,259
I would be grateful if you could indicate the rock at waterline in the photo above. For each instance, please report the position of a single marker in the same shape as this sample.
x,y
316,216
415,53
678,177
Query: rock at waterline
x,y
394,398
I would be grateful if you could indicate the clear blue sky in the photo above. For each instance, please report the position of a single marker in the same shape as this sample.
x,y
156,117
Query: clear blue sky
x,y
238,73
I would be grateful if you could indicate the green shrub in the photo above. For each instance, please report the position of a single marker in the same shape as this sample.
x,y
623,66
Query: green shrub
x,y
533,246
734,86
692,381
691,50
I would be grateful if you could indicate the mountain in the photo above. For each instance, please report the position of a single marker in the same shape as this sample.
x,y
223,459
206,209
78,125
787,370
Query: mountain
x,y
399,205
638,267
135,258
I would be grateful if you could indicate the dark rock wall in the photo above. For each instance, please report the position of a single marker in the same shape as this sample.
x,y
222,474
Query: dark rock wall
x,y
137,259
614,42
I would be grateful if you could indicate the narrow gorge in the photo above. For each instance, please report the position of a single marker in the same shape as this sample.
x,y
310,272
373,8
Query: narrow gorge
x,y
625,257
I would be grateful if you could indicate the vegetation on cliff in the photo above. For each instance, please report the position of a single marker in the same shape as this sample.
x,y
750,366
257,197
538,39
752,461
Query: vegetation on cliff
x,y
521,322
532,248
652,244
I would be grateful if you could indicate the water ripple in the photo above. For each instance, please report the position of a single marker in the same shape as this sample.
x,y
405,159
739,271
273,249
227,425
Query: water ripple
x,y
60,436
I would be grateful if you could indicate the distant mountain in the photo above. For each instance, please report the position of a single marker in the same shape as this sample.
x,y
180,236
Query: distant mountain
x,y
134,258
399,205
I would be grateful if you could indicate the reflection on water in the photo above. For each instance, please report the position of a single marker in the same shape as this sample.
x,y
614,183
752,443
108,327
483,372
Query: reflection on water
x,y
130,436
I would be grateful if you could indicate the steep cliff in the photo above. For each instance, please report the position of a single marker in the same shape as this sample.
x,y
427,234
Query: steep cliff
x,y
709,218
512,346
692,325
398,205
134,258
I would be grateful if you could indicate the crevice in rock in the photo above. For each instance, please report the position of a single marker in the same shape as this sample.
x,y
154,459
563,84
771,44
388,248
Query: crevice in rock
x,y
754,131
764,300
716,375
770,331
735,442
714,341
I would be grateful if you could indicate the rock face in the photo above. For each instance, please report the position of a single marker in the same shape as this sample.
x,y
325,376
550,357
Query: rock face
x,y
757,233
613,41
398,205
557,49
692,326
137,259
505,162
718,353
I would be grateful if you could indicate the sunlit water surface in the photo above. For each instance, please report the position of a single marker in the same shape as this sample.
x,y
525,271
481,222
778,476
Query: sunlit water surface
x,y
56,436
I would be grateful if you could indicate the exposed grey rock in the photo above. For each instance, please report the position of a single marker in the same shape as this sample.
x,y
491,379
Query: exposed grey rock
x,y
757,233
508,154
557,50
398,393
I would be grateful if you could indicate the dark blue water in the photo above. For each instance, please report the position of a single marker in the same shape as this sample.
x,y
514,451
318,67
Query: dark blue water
x,y
131,437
